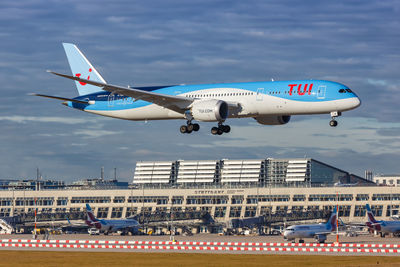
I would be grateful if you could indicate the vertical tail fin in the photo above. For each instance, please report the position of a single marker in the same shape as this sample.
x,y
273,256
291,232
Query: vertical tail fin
x,y
90,216
332,222
81,67
370,214
372,223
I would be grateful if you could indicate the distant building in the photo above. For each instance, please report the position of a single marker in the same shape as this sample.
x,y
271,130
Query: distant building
x,y
226,189
98,183
31,185
295,171
387,179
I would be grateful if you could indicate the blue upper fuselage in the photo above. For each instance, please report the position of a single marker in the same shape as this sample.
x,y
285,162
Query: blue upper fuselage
x,y
296,90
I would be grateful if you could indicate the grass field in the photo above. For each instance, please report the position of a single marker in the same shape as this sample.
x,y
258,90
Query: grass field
x,y
41,258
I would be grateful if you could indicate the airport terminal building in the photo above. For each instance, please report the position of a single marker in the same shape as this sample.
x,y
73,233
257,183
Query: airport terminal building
x,y
226,189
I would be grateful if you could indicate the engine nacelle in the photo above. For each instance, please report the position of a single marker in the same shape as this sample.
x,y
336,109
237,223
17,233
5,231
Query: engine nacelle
x,y
273,120
210,110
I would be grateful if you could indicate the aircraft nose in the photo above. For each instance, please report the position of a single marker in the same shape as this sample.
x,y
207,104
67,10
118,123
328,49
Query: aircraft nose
x,y
285,233
357,102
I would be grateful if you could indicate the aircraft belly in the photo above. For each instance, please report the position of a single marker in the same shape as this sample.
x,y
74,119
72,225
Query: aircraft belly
x,y
151,112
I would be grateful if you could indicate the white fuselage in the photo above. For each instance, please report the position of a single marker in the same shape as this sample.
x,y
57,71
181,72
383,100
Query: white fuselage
x,y
304,231
252,105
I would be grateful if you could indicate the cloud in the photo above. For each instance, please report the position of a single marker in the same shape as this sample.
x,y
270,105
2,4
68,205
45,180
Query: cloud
x,y
313,133
117,19
87,133
26,119
377,82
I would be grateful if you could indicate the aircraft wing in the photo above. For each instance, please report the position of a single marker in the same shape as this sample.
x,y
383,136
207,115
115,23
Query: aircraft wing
x,y
124,227
176,103
323,233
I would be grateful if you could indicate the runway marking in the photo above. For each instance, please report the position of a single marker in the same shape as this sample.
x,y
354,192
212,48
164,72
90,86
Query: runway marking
x,y
201,243
200,248
203,246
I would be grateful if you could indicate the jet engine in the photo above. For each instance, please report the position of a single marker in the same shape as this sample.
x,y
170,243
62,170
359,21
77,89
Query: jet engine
x,y
210,110
273,120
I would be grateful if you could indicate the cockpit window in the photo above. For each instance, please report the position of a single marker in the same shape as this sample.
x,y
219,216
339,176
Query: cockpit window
x,y
345,90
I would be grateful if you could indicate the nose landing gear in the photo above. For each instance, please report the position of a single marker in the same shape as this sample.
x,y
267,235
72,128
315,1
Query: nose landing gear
x,y
333,123
220,129
334,114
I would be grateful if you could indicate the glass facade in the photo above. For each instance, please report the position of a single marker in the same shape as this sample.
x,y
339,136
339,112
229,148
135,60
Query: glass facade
x,y
325,174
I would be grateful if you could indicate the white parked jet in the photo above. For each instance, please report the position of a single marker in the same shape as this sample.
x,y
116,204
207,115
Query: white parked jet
x,y
382,227
108,226
316,231
269,103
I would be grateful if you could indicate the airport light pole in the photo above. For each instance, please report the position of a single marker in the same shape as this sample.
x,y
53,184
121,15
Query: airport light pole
x,y
258,188
35,234
337,217
13,202
143,207
172,233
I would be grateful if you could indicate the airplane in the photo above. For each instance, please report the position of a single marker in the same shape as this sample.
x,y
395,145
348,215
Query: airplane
x,y
269,103
108,226
383,227
340,184
317,231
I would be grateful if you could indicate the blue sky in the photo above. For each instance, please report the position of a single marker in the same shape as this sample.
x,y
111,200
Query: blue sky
x,y
172,42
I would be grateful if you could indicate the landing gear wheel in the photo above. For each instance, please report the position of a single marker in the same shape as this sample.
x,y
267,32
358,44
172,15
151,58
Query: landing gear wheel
x,y
220,129
196,127
226,128
190,128
183,129
333,123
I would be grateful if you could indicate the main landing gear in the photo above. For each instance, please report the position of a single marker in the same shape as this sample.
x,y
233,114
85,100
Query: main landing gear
x,y
334,114
190,127
194,127
220,129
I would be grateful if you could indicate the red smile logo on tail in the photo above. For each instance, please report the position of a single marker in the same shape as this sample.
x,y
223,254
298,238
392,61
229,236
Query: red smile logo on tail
x,y
79,75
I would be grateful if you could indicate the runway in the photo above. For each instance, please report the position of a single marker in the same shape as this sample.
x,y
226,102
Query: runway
x,y
195,244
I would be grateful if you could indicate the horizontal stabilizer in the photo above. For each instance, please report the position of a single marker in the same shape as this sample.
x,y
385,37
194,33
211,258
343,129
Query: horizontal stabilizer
x,y
176,103
62,98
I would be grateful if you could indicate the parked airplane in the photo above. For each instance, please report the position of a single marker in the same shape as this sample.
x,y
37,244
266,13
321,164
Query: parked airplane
x,y
317,231
383,227
108,226
269,103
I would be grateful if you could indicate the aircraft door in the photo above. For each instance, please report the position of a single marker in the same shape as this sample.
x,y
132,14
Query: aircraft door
x,y
111,98
321,91
260,92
